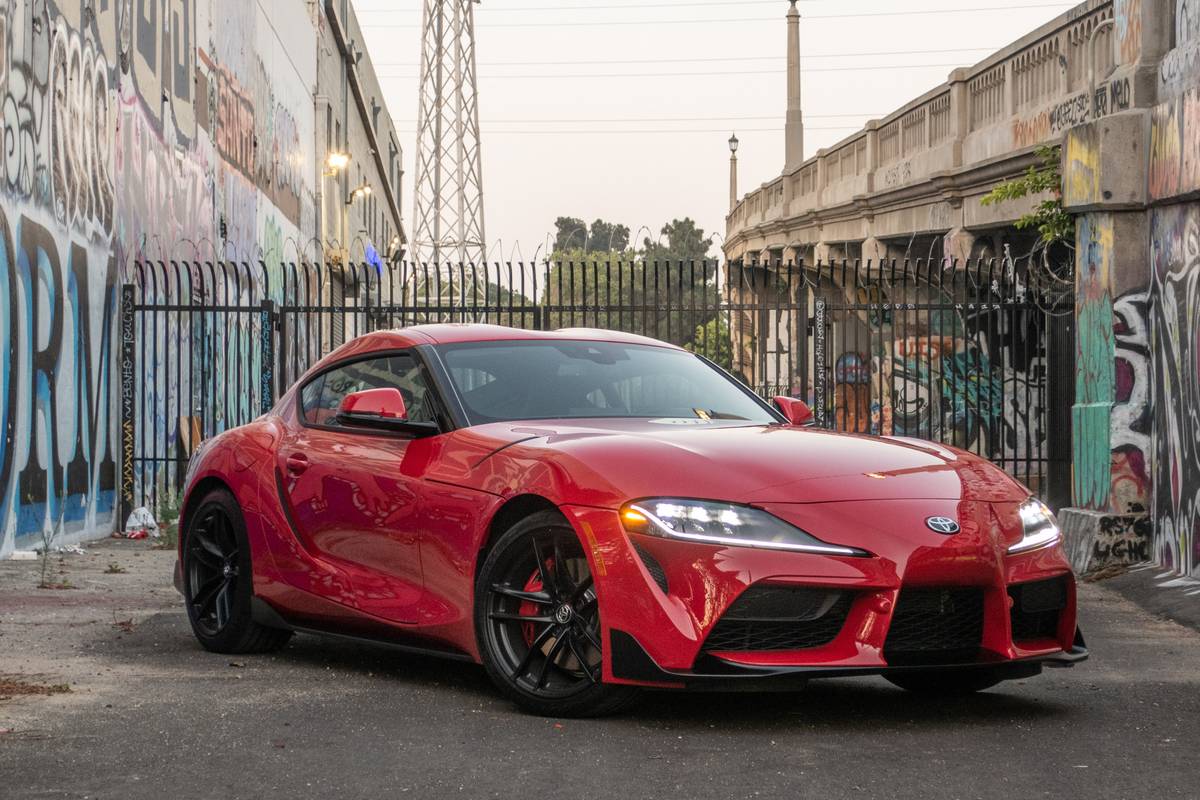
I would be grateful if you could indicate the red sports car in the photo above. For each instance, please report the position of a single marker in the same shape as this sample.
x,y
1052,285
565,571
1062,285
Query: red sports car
x,y
588,512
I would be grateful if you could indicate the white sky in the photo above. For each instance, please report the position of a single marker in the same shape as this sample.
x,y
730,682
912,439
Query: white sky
x,y
545,154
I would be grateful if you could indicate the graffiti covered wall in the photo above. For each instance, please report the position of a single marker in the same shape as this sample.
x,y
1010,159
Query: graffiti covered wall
x,y
1111,417
130,129
1175,258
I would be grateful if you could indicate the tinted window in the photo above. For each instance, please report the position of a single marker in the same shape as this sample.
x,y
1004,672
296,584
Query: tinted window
x,y
565,380
321,397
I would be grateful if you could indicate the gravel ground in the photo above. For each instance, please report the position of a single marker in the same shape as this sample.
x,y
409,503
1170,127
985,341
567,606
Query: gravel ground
x,y
149,714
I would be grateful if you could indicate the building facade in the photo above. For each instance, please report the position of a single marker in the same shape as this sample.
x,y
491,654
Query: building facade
x,y
167,131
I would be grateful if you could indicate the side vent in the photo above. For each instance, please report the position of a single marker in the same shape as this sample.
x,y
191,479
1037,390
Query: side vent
x,y
653,567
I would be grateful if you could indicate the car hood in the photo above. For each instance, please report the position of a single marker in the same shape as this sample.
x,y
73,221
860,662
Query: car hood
x,y
607,462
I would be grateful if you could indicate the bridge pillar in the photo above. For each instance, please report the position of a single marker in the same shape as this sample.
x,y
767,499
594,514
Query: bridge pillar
x,y
958,245
1111,420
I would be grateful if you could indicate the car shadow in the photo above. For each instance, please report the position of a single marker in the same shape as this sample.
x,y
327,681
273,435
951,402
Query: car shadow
x,y
832,704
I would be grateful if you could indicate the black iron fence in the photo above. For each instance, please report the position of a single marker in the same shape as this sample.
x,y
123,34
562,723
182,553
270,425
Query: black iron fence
x,y
978,355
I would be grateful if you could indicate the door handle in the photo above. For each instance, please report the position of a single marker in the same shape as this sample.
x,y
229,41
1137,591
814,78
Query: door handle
x,y
297,463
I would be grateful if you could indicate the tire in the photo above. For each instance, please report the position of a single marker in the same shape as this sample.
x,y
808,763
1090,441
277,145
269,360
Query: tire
x,y
218,580
945,683
537,622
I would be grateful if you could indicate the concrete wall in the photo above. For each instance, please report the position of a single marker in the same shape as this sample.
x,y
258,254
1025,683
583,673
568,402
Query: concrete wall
x,y
1133,179
1174,253
131,129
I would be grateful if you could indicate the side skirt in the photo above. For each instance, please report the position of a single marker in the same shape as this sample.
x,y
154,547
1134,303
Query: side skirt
x,y
265,614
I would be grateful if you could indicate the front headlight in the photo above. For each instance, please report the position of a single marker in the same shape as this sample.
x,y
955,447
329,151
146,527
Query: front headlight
x,y
1039,527
723,523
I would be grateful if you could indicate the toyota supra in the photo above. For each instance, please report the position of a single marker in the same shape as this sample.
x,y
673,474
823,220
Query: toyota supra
x,y
589,513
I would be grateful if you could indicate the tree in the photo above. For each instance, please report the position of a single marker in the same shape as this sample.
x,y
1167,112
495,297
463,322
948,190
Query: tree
x,y
571,232
608,237
603,237
684,242
714,341
1051,220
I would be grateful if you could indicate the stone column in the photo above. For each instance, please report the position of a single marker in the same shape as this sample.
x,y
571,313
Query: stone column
x,y
794,125
733,180
957,245
1108,522
874,250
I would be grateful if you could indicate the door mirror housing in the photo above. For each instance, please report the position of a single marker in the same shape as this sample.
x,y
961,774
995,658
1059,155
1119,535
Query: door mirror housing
x,y
373,405
797,412
381,409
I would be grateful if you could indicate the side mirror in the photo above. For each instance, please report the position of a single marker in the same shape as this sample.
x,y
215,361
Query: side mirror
x,y
797,411
372,407
383,410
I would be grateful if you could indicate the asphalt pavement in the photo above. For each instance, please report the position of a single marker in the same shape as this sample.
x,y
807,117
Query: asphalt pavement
x,y
151,715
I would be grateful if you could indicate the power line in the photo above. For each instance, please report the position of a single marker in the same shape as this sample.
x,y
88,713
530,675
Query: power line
x,y
532,131
670,119
702,60
725,21
558,75
539,9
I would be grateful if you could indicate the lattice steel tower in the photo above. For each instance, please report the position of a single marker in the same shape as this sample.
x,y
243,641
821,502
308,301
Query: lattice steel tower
x,y
449,183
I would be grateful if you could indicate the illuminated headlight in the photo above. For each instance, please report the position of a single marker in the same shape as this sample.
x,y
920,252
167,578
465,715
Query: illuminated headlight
x,y
723,523
1039,527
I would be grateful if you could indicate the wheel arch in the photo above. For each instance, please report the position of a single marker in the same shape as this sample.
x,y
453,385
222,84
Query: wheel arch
x,y
201,489
512,511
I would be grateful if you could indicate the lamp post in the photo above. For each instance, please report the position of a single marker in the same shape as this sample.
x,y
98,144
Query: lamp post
x,y
335,162
359,192
733,148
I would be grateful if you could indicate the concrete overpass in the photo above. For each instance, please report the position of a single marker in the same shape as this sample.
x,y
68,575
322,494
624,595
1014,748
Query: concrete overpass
x,y
909,185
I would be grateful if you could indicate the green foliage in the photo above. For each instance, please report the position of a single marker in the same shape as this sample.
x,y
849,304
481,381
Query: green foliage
x,y
684,242
570,232
607,237
1050,219
714,341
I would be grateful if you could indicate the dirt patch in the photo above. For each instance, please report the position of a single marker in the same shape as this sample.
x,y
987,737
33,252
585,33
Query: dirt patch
x,y
14,685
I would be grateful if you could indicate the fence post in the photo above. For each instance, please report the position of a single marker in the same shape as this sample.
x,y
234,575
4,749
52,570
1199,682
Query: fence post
x,y
267,334
819,357
128,402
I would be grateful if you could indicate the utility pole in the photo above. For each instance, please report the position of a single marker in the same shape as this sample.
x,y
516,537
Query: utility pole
x,y
449,184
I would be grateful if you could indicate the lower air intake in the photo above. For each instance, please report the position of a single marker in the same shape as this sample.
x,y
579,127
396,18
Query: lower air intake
x,y
1036,608
936,626
773,618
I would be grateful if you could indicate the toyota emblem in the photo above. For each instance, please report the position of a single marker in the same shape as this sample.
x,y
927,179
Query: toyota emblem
x,y
942,525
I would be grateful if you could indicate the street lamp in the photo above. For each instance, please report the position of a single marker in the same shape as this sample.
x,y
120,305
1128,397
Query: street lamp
x,y
336,162
733,148
360,191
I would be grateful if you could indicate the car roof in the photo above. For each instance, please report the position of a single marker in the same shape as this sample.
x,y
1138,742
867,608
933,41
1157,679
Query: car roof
x,y
404,338
473,332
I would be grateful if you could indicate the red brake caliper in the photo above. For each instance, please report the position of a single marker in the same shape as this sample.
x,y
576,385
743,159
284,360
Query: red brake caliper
x,y
530,609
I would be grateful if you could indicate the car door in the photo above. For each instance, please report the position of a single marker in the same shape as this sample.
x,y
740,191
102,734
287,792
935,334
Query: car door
x,y
354,493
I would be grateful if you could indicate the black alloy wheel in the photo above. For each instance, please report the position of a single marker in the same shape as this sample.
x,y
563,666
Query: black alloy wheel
x,y
212,577
218,580
538,621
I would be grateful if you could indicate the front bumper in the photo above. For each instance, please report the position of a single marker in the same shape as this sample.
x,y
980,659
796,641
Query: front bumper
x,y
660,600
631,663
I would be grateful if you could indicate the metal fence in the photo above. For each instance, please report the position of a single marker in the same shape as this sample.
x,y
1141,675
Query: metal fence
x,y
978,355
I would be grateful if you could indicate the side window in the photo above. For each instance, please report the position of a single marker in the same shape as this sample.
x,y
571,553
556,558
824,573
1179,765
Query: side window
x,y
321,397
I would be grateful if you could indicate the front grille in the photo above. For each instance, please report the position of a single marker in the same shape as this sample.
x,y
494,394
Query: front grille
x,y
1036,608
936,626
767,618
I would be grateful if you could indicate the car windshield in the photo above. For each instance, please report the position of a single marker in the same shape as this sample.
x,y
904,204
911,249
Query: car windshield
x,y
509,381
